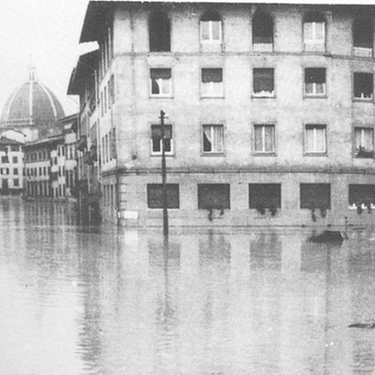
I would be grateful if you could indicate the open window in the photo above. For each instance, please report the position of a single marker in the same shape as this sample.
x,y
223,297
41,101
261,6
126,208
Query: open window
x,y
363,86
315,81
314,31
157,140
364,142
155,196
161,82
262,31
213,139
363,38
265,196
263,82
361,196
212,83
315,139
159,32
315,196
213,196
264,139
211,28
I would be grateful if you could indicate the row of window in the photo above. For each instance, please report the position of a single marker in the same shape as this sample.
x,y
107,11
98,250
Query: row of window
x,y
262,196
264,140
5,159
211,30
212,84
107,96
109,146
6,171
42,188
5,183
68,150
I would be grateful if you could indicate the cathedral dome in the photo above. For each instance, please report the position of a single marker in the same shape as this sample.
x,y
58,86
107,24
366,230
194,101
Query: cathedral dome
x,y
32,108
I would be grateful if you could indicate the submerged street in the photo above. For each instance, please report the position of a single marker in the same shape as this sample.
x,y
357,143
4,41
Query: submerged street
x,y
108,300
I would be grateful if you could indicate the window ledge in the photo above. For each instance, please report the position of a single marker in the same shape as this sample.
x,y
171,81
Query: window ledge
x,y
213,97
362,100
255,96
161,97
264,154
363,206
309,96
212,154
316,154
160,155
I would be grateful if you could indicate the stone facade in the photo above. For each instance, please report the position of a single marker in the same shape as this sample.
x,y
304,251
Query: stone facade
x,y
289,105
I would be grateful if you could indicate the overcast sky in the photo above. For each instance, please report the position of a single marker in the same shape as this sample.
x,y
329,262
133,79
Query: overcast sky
x,y
49,30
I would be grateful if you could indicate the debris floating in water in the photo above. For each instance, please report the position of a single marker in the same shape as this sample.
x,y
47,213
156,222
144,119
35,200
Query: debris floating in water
x,y
328,236
362,325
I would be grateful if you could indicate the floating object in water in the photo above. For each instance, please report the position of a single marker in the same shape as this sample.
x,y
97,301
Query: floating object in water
x,y
362,325
329,236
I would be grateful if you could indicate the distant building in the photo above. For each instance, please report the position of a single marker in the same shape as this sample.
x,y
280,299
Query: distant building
x,y
50,164
270,112
11,167
33,110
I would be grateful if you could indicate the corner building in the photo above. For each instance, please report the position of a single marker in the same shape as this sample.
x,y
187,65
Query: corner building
x,y
270,112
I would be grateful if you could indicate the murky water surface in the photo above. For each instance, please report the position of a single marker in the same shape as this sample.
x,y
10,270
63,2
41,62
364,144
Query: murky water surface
x,y
80,300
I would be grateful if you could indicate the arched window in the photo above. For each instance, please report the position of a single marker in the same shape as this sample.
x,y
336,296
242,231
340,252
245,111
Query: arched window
x,y
363,33
159,32
262,28
211,28
314,28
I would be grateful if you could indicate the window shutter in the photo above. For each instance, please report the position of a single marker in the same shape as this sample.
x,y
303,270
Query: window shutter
x,y
212,75
263,80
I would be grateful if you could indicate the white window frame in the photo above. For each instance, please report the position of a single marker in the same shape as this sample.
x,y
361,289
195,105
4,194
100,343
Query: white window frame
x,y
264,94
210,38
314,39
214,146
161,84
314,128
212,89
362,132
263,127
159,153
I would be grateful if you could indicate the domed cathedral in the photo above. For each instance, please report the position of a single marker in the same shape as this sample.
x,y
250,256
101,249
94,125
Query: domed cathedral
x,y
33,110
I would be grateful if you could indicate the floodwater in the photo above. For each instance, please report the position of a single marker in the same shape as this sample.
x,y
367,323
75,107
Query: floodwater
x,y
103,300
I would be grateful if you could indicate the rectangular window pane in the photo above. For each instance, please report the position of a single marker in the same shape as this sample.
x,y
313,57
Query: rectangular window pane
x,y
364,142
315,139
205,27
156,139
213,196
264,138
216,26
263,81
213,138
212,75
160,81
363,85
264,196
155,196
361,194
315,196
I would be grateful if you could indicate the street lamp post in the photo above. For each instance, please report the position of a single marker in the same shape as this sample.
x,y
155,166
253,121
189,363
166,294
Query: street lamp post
x,y
164,175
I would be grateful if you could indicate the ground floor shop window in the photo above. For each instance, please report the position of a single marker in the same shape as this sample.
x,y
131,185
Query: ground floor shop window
x,y
315,196
265,196
213,196
362,196
155,196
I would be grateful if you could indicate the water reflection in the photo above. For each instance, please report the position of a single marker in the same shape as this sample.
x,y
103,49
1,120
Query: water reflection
x,y
89,300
